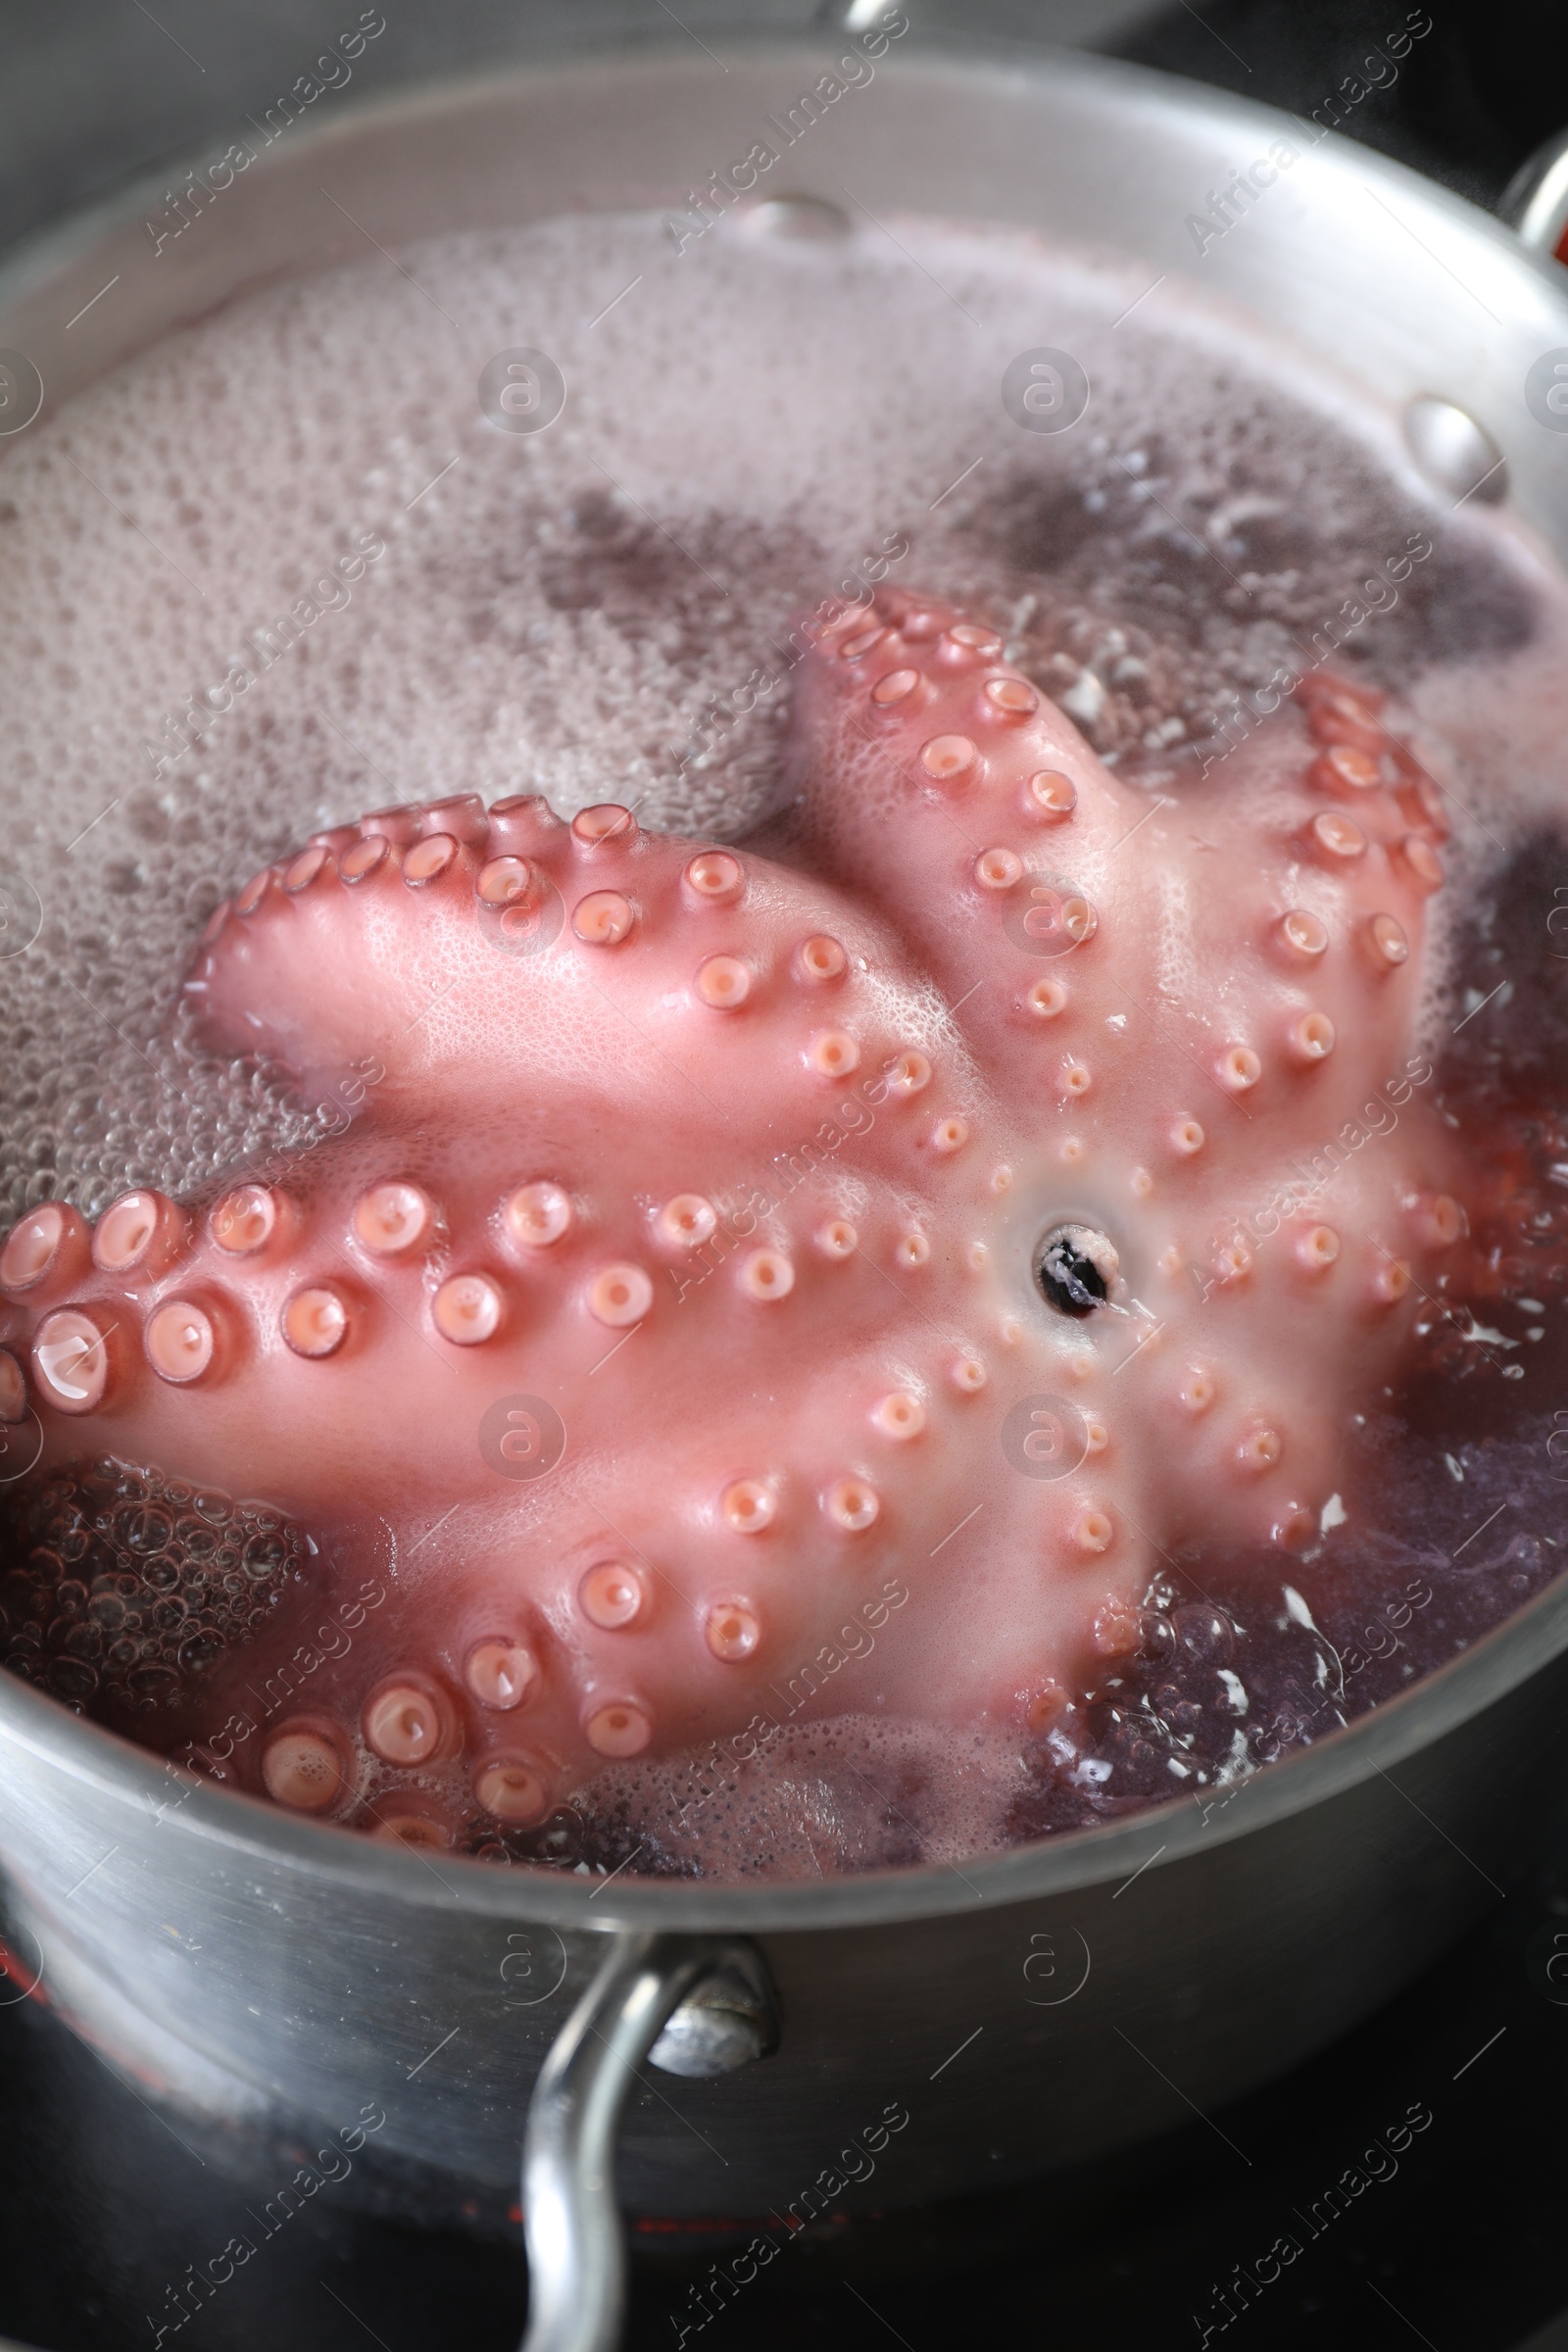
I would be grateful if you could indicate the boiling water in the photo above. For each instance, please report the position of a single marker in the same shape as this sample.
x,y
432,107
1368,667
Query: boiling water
x,y
595,610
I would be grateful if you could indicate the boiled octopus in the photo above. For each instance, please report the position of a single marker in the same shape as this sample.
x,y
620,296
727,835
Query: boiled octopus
x,y
967,1204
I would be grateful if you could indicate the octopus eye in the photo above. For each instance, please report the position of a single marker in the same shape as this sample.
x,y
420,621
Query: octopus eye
x,y
1075,1269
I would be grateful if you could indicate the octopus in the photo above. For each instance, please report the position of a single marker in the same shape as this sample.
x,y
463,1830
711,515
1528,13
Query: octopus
x,y
940,1219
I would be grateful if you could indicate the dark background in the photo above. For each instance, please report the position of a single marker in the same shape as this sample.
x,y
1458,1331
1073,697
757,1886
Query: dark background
x,y
95,93
1463,2249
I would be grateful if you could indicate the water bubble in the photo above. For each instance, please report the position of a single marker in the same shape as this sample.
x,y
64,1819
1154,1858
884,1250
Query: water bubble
x,y
72,1679
152,1686
201,1652
130,1612
1156,1640
144,1530
264,1555
1205,1634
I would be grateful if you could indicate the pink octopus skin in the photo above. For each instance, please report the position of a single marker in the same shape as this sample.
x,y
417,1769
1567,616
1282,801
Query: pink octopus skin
x,y
788,1137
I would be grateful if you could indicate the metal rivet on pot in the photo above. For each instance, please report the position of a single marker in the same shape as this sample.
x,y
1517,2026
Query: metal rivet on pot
x,y
727,2020
1454,452
1535,199
802,219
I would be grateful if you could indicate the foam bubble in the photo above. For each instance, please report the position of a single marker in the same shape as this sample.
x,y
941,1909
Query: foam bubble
x,y
853,1793
125,1589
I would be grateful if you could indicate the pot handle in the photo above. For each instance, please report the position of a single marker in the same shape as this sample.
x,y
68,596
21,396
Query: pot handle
x,y
690,2004
1536,203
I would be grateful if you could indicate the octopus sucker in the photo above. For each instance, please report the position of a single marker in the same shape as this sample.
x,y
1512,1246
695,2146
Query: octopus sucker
x,y
45,1251
675,1279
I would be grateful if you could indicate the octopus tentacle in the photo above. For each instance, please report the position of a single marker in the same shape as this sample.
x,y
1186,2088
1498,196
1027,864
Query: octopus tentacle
x,y
716,1252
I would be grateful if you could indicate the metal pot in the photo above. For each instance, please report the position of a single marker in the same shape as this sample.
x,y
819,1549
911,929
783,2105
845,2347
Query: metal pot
x,y
1041,2006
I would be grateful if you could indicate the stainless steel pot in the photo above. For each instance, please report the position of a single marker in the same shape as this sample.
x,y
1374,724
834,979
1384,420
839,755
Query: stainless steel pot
x,y
1038,2007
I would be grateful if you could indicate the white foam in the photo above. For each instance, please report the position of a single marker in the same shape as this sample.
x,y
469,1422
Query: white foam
x,y
750,425
855,1793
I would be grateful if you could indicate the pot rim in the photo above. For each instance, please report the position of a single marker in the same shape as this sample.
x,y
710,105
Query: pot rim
x,y
933,51
245,1830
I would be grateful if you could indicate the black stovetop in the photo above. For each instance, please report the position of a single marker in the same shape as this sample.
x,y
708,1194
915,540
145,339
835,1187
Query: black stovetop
x,y
1440,2121
1453,2234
